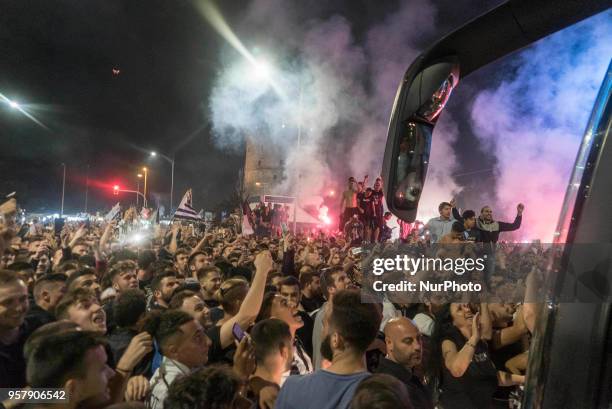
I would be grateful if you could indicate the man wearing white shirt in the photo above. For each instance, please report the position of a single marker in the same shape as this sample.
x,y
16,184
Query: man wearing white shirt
x,y
184,346
440,226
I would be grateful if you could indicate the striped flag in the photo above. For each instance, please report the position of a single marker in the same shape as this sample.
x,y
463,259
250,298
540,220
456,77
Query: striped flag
x,y
113,212
185,209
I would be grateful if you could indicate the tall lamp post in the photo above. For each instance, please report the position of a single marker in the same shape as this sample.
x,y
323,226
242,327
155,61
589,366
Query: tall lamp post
x,y
171,161
144,193
139,176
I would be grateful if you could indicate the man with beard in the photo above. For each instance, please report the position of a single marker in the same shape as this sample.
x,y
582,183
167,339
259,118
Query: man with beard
x,y
13,330
289,288
123,276
311,298
192,303
404,353
490,229
334,387
333,280
163,286
198,260
210,280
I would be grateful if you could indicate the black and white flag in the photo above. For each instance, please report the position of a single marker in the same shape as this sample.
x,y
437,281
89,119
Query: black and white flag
x,y
185,209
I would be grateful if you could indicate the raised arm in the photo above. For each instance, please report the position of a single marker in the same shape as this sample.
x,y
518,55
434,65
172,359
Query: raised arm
x,y
511,334
172,247
503,226
202,243
77,235
486,324
105,236
457,362
252,302
455,211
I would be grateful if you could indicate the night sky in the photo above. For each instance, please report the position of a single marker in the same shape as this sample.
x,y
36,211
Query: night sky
x,y
57,58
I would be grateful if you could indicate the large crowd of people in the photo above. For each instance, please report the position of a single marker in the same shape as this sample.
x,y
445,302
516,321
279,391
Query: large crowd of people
x,y
172,316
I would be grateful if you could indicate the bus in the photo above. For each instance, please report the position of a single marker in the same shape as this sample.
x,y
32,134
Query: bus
x,y
570,363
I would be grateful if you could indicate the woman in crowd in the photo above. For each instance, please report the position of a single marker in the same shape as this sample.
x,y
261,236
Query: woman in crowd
x,y
461,358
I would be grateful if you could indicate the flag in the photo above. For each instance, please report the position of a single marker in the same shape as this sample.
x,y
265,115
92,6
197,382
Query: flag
x,y
145,213
248,220
155,217
113,212
185,209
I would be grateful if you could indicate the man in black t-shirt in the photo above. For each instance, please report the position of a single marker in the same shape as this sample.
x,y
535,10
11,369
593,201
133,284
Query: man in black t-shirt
x,y
378,198
353,231
312,298
366,208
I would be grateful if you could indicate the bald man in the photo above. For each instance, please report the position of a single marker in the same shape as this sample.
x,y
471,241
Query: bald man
x,y
404,352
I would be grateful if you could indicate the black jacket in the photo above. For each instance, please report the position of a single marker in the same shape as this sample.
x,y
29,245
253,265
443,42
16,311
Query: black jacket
x,y
488,232
37,317
419,396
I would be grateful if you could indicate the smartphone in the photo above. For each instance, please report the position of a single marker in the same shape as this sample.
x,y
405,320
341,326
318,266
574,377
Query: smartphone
x,y
59,225
356,250
238,332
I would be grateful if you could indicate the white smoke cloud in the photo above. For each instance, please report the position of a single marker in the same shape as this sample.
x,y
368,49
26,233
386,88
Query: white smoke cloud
x,y
534,120
347,88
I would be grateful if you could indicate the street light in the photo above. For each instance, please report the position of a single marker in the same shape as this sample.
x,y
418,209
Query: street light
x,y
21,108
138,186
171,160
144,194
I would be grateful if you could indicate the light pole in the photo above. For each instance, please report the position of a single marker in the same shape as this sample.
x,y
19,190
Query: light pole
x,y
144,194
139,176
171,160
63,190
